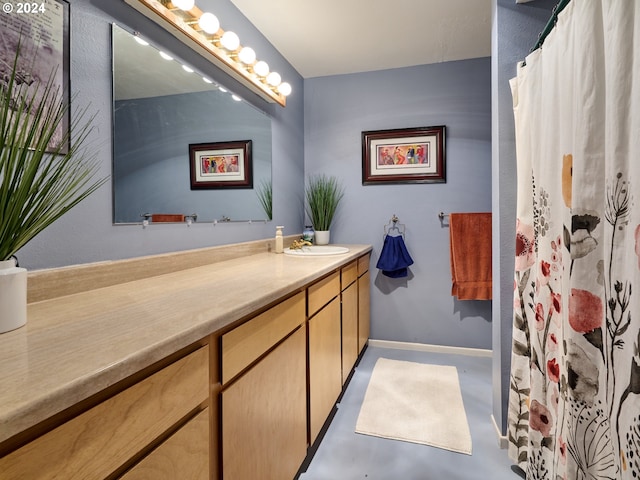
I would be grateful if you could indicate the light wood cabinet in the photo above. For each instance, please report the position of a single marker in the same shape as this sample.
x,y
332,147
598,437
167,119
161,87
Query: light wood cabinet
x,y
105,438
325,365
264,416
279,387
245,403
349,317
364,302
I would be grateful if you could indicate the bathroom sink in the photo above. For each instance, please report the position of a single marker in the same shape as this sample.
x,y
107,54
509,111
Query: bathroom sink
x,y
317,250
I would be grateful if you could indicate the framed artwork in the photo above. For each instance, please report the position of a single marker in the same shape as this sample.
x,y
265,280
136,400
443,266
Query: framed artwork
x,y
221,165
403,155
42,31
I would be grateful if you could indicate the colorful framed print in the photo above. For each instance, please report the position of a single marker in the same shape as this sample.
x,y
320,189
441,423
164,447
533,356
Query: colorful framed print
x,y
403,155
221,165
42,31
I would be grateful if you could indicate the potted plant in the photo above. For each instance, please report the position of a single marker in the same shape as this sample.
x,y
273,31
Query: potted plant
x,y
323,194
265,196
40,178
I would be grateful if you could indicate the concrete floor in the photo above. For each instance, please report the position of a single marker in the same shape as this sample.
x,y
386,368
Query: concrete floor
x,y
346,455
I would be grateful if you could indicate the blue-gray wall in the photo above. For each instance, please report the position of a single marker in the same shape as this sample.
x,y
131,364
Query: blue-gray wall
x,y
86,233
455,94
515,31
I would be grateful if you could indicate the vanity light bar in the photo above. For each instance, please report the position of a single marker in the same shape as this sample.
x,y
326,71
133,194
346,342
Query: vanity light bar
x,y
182,26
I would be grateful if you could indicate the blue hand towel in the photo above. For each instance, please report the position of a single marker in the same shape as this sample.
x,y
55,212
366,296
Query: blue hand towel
x,y
394,258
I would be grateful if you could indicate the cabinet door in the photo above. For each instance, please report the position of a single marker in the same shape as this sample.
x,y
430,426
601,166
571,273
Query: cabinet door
x,y
364,310
184,455
264,416
97,442
325,365
349,329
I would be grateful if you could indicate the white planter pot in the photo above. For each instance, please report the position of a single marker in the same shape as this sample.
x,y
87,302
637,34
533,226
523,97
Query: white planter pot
x,y
322,237
13,296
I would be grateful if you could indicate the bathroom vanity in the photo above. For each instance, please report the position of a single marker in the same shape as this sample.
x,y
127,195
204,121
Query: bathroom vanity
x,y
221,363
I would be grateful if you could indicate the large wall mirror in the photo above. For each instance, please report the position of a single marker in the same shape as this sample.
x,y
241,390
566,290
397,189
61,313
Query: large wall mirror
x,y
160,110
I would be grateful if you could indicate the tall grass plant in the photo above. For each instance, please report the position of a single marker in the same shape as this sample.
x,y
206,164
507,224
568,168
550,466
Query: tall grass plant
x,y
323,194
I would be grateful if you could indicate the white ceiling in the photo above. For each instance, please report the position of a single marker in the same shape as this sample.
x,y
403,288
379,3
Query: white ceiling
x,y
332,37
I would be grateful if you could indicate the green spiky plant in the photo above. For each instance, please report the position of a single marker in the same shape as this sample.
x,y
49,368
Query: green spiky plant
x,y
323,194
38,187
265,195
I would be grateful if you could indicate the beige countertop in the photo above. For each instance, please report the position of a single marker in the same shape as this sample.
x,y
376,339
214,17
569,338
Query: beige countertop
x,y
77,345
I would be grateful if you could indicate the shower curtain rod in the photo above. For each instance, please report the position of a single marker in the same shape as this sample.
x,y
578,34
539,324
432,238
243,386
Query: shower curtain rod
x,y
549,26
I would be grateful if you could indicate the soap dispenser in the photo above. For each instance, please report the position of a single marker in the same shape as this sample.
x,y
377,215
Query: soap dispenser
x,y
279,240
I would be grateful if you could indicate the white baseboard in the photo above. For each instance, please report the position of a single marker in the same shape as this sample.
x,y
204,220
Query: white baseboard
x,y
503,440
424,347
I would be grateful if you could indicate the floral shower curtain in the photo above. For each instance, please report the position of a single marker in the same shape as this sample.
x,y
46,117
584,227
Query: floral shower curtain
x,y
574,404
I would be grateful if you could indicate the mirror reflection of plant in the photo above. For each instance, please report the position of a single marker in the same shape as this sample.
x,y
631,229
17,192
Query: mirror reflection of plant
x,y
323,194
38,187
265,195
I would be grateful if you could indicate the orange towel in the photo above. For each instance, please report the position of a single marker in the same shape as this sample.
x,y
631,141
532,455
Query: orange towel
x,y
167,217
470,243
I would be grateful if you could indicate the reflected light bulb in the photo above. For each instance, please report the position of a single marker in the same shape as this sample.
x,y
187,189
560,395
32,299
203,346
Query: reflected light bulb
x,y
141,41
274,79
236,98
166,56
206,80
209,23
230,41
261,68
284,88
187,69
183,4
247,55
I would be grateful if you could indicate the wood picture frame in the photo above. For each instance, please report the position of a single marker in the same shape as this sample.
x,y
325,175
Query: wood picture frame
x,y
221,165
404,155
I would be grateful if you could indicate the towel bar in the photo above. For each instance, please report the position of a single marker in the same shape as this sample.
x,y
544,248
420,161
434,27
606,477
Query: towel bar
x,y
394,225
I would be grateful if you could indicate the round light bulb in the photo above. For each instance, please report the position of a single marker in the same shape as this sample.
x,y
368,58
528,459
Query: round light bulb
x,y
247,55
284,88
274,79
183,4
230,41
261,68
164,55
209,23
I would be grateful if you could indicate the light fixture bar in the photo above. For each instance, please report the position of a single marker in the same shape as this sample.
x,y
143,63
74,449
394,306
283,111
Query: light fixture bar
x,y
181,29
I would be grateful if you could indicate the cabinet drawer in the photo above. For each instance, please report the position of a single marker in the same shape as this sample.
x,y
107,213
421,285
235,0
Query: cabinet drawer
x,y
246,343
97,442
184,455
322,292
349,274
363,264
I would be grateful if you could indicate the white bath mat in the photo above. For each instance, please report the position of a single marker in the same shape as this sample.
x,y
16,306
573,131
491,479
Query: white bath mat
x,y
416,403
